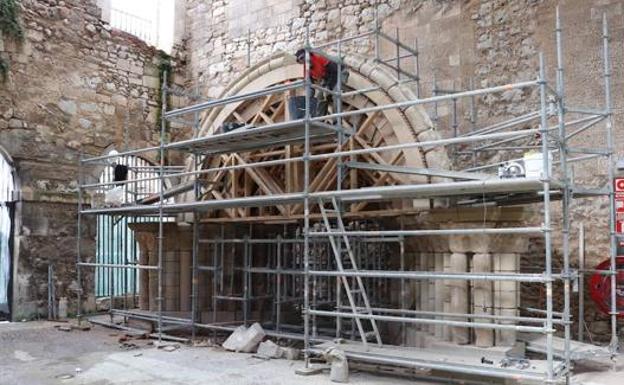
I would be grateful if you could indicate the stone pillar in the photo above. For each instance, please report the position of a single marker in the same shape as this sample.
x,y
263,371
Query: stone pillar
x,y
424,287
185,280
506,295
153,280
144,252
459,297
171,281
482,299
441,259
432,263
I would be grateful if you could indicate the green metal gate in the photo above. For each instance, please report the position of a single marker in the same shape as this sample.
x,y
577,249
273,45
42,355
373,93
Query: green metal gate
x,y
115,243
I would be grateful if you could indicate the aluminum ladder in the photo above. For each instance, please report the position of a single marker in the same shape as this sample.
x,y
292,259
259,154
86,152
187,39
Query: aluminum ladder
x,y
342,250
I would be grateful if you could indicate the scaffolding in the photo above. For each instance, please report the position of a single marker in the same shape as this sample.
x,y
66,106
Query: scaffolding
x,y
318,265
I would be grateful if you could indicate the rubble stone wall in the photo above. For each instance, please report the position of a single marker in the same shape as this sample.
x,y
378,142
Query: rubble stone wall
x,y
75,85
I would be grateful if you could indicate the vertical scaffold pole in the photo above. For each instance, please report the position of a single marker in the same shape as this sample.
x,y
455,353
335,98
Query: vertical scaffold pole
x,y
339,169
306,205
547,231
195,247
377,48
163,124
417,65
278,284
581,282
398,55
403,284
610,176
79,243
565,202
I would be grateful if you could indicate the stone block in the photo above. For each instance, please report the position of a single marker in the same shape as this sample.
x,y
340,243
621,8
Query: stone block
x,y
119,100
16,123
85,123
68,106
136,69
123,64
151,82
89,107
506,262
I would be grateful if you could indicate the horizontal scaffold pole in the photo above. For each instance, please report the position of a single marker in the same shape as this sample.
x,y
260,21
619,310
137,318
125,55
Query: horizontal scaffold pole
x,y
428,321
517,277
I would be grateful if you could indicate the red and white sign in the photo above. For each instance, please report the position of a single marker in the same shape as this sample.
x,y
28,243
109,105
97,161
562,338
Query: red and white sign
x,y
618,184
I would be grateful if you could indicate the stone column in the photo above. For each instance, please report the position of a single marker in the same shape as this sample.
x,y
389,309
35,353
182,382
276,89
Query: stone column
x,y
153,280
424,287
144,256
506,295
171,283
185,280
143,282
441,260
459,297
482,299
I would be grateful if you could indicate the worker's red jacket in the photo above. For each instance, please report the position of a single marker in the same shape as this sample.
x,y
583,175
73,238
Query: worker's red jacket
x,y
318,66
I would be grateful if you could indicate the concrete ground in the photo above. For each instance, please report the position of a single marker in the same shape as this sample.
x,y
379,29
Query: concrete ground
x,y
37,353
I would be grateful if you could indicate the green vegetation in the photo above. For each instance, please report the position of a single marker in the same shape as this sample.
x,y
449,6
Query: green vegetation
x,y
164,66
10,28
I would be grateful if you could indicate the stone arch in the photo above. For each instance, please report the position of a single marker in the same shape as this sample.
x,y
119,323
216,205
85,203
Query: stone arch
x,y
389,126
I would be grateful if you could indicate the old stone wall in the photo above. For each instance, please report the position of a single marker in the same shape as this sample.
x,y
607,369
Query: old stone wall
x,y
74,86
462,45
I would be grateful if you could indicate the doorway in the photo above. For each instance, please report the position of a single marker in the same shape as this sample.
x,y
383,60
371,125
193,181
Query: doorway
x,y
7,215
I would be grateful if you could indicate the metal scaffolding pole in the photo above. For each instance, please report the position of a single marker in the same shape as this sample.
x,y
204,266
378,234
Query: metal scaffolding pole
x,y
550,370
306,205
79,245
195,246
610,181
565,201
161,202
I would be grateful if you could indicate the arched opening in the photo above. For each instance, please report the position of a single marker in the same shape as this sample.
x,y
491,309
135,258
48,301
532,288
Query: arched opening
x,y
115,241
375,129
8,196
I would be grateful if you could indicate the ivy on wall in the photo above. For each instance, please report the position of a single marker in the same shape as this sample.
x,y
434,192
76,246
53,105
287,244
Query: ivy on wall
x,y
10,27
164,66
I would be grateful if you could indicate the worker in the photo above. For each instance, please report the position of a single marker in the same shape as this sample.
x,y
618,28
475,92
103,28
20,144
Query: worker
x,y
323,72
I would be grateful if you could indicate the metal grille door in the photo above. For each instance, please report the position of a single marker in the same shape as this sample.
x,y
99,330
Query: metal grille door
x,y
115,243
7,193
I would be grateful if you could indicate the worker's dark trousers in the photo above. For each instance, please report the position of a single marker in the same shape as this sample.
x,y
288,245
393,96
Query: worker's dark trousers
x,y
331,83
